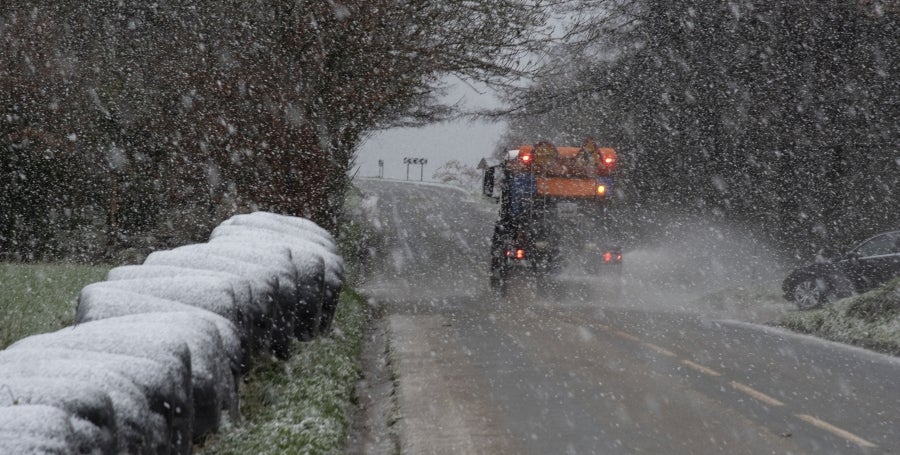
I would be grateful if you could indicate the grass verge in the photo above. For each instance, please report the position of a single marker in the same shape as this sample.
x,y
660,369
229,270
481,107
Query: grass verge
x,y
39,298
870,320
304,404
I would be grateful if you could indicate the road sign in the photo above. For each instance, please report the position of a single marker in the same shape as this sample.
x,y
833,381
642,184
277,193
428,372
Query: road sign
x,y
420,161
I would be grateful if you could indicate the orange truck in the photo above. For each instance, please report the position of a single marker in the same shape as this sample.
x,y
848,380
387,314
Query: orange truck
x,y
553,212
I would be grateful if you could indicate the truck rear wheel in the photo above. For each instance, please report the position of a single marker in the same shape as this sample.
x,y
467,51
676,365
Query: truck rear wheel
x,y
499,279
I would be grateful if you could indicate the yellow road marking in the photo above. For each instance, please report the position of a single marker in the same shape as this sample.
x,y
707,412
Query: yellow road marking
x,y
835,430
756,394
750,391
627,336
660,349
701,368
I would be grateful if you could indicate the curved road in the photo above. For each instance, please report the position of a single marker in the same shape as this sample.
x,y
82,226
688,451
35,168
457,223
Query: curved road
x,y
581,374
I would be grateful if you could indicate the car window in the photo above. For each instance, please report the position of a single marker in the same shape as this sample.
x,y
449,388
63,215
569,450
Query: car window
x,y
883,244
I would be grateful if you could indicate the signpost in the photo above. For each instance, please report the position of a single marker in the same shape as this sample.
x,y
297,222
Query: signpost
x,y
381,169
420,161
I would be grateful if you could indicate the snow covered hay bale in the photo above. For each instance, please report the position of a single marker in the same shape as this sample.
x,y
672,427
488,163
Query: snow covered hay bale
x,y
300,247
213,294
103,302
36,430
162,373
283,224
275,263
156,336
263,309
306,273
90,409
140,430
212,371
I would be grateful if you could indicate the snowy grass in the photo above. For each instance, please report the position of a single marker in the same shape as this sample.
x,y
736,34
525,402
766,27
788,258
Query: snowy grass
x,y
37,298
870,320
302,405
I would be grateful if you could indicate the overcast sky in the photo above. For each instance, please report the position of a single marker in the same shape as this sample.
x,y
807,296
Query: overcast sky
x,y
462,140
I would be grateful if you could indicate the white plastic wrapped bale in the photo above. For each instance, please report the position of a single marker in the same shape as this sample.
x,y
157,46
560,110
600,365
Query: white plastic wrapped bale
x,y
263,285
36,430
166,387
308,274
284,224
90,409
162,338
300,241
296,222
213,294
300,246
277,263
99,302
163,378
211,364
140,430
242,287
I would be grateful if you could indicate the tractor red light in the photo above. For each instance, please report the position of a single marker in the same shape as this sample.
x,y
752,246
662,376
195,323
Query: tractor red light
x,y
607,257
520,254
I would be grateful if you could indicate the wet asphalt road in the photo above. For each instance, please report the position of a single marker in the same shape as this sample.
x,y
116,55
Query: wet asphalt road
x,y
577,372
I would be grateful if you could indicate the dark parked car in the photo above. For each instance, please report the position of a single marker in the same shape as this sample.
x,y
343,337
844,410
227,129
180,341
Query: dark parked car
x,y
868,265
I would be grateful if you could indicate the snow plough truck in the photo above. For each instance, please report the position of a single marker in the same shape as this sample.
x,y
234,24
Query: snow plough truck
x,y
553,222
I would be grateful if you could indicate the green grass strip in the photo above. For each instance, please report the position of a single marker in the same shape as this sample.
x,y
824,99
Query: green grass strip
x,y
305,404
37,298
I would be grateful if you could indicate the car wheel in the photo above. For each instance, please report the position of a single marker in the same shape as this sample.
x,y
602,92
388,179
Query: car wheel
x,y
810,293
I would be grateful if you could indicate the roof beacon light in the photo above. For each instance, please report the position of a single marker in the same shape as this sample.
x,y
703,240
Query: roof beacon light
x,y
525,156
608,157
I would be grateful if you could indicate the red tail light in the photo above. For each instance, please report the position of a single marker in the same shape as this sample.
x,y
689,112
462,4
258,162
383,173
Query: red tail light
x,y
607,257
517,253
